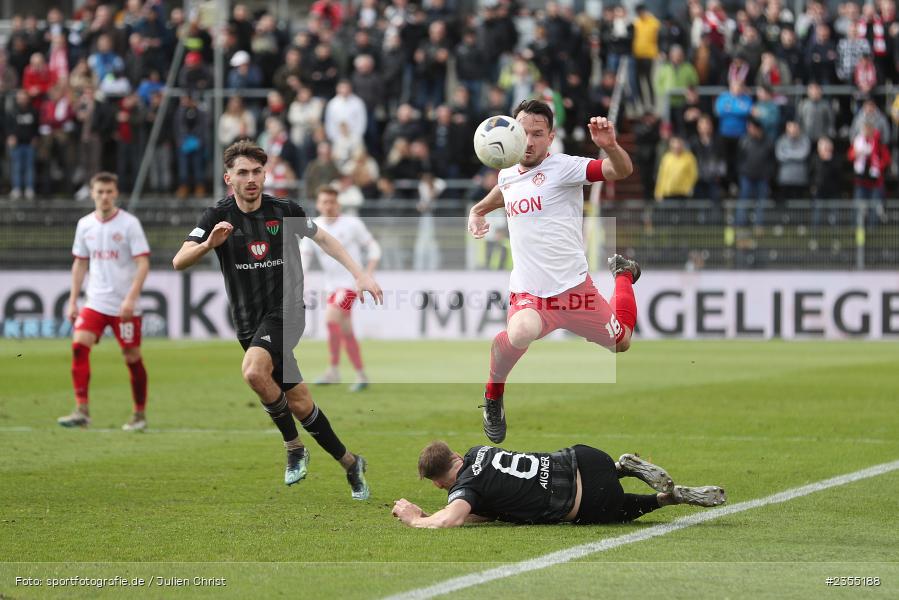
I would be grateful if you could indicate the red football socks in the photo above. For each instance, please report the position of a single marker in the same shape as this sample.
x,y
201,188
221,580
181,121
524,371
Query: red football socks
x,y
352,350
623,302
503,356
138,385
81,373
334,338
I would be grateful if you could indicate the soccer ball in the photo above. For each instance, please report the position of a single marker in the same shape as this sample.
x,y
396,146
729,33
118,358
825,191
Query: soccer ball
x,y
500,142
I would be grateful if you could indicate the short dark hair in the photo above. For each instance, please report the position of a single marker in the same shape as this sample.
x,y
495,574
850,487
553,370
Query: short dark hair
x,y
535,107
326,189
105,177
246,148
435,460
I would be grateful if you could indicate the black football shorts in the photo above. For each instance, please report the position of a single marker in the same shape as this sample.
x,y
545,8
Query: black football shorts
x,y
279,340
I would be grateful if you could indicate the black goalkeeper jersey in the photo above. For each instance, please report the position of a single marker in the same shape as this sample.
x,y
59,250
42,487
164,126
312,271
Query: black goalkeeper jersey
x,y
533,487
254,257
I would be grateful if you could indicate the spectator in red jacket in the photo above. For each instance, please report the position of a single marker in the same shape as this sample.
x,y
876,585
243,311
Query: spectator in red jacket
x,y
716,24
328,10
870,160
37,79
56,149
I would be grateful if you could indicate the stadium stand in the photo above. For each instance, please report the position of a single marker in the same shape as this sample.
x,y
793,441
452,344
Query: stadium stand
x,y
374,95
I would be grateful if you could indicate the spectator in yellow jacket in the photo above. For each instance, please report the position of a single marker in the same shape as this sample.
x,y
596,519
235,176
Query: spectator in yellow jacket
x,y
677,172
646,50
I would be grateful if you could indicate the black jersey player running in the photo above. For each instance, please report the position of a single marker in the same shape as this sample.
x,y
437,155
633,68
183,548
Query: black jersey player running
x,y
264,279
577,484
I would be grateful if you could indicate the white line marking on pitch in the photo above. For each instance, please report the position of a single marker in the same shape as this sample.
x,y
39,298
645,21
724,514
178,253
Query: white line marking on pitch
x,y
575,552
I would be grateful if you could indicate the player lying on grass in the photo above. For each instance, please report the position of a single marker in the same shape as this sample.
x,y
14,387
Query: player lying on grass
x,y
550,287
264,279
577,484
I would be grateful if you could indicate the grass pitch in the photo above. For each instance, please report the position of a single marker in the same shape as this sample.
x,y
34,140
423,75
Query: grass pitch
x,y
201,493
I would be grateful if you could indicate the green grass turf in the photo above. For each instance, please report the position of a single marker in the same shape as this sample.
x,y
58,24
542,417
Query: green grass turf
x,y
201,494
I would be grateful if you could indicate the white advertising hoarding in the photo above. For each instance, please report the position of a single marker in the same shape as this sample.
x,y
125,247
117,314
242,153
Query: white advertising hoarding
x,y
471,305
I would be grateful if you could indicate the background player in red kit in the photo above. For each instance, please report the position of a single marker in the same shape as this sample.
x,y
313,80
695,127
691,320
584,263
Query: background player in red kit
x,y
353,235
550,286
112,243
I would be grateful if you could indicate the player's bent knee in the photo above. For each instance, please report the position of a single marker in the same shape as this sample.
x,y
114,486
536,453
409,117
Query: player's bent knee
x,y
625,343
521,338
255,376
524,328
132,355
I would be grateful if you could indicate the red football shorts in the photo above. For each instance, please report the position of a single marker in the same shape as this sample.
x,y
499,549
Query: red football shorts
x,y
343,299
581,310
126,332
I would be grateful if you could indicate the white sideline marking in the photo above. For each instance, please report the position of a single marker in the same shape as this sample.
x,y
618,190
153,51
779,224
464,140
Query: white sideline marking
x,y
575,552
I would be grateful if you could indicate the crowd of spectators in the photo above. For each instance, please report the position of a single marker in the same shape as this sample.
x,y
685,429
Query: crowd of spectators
x,y
364,93
773,134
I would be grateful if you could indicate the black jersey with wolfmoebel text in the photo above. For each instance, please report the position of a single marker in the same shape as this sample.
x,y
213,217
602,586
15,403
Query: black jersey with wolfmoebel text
x,y
518,487
252,259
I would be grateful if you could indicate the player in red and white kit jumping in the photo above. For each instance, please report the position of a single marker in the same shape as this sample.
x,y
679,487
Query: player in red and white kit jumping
x,y
550,286
113,243
353,235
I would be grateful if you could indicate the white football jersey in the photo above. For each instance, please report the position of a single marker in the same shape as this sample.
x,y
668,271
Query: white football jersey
x,y
111,246
545,216
353,235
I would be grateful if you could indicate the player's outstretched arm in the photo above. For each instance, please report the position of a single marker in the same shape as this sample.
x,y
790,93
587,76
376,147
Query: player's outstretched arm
x,y
454,515
477,222
191,252
79,270
364,282
618,164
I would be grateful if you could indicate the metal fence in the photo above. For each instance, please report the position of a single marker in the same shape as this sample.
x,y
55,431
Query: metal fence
x,y
694,235
689,235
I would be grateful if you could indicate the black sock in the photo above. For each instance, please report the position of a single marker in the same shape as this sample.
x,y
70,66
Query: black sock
x,y
636,505
319,427
281,415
